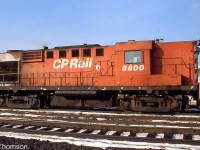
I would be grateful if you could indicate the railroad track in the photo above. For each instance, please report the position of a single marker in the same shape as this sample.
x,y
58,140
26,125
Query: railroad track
x,y
150,128
131,134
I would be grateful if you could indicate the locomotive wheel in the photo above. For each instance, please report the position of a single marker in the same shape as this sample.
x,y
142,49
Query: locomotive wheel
x,y
121,104
127,105
124,105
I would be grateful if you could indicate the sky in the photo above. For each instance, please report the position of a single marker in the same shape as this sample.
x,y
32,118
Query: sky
x,y
32,24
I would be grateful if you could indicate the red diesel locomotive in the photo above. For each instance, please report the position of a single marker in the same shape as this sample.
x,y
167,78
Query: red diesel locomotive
x,y
146,76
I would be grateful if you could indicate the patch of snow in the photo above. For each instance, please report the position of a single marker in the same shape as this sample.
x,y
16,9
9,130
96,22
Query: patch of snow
x,y
55,120
11,118
95,132
175,122
140,134
7,114
125,134
29,127
82,118
54,129
81,130
32,115
177,136
101,119
110,132
68,130
41,128
17,126
160,135
196,137
6,125
17,118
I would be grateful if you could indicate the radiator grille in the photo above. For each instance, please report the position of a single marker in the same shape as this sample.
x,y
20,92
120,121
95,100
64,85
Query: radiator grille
x,y
32,56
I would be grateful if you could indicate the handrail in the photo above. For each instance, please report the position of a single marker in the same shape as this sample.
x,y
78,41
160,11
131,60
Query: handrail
x,y
47,79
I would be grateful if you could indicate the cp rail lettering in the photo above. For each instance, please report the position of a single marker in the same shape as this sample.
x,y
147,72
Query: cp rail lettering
x,y
72,63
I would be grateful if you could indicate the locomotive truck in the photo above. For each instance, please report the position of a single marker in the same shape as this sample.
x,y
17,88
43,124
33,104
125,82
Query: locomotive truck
x,y
145,76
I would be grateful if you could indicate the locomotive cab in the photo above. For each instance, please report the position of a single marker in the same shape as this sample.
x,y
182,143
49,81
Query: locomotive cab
x,y
159,81
133,60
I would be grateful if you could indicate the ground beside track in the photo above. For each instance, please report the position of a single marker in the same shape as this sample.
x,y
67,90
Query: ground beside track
x,y
32,144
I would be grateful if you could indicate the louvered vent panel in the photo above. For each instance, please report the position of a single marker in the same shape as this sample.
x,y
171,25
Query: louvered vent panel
x,y
32,56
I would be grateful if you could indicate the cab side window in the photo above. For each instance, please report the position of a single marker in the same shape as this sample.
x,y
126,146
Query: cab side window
x,y
133,57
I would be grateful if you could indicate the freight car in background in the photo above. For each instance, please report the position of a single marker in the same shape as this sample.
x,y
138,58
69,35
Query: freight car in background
x,y
146,76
